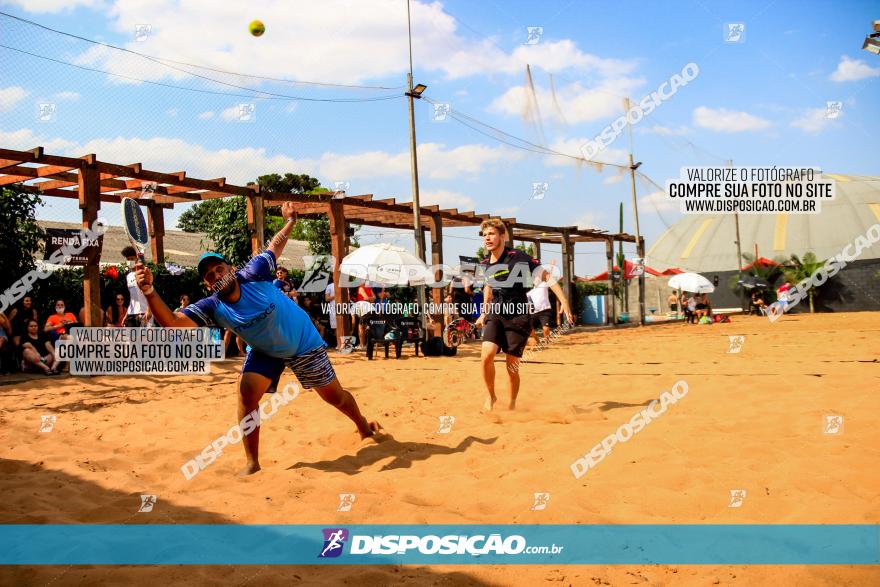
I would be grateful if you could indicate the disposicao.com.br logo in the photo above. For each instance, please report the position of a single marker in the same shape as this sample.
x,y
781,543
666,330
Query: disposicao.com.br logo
x,y
431,544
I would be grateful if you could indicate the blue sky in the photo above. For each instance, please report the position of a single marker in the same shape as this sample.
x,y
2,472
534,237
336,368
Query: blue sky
x,y
758,102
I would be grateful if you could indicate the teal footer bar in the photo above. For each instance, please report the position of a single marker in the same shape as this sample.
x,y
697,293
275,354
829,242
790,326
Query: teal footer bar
x,y
557,544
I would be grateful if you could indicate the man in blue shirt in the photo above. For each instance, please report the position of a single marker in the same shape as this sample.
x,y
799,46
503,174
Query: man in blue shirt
x,y
279,332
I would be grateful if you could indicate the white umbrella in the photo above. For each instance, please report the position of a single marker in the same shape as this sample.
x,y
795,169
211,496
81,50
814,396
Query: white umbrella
x,y
691,282
385,264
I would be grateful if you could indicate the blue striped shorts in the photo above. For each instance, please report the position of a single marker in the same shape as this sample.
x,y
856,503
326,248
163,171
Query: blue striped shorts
x,y
312,369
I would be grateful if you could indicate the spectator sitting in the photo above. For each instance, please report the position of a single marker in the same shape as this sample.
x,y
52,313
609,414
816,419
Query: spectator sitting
x,y
115,314
6,345
184,302
691,313
58,325
702,306
758,302
19,316
37,352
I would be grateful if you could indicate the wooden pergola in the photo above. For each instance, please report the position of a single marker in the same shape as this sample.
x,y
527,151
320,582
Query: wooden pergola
x,y
93,182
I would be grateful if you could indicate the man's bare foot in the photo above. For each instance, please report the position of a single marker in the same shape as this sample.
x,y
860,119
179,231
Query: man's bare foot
x,y
511,405
489,404
249,469
373,427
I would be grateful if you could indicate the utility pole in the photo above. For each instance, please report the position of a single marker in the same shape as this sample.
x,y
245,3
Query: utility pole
x,y
739,257
417,220
639,244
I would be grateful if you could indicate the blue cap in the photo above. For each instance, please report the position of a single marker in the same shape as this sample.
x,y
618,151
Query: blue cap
x,y
206,258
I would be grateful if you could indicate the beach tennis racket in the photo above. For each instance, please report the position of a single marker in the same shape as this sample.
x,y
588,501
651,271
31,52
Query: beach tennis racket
x,y
135,226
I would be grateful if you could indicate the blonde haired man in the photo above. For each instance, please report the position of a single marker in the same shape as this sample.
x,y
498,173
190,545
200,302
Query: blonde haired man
x,y
505,316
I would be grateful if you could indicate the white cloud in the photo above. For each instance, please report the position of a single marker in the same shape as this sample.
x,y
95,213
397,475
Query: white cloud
x,y
657,202
723,120
853,70
52,6
11,96
244,164
813,121
446,199
326,39
206,115
577,103
588,220
172,111
508,212
612,179
233,113
25,138
71,96
435,161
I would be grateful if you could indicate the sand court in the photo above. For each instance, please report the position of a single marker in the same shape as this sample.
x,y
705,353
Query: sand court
x,y
753,421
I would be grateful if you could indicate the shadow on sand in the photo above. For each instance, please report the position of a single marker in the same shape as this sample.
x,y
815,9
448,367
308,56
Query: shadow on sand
x,y
404,453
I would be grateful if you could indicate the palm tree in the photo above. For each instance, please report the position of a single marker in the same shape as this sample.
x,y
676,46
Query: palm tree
x,y
800,269
768,272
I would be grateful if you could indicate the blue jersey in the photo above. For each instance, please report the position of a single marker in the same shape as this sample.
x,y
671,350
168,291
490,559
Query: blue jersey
x,y
264,317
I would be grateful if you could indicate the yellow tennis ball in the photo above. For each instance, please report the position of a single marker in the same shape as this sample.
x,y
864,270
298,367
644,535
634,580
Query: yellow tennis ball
x,y
257,28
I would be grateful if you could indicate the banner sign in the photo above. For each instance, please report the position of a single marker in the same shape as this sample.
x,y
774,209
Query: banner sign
x,y
59,238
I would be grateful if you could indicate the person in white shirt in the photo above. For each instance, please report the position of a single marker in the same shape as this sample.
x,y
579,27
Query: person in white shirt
x,y
330,298
138,314
542,312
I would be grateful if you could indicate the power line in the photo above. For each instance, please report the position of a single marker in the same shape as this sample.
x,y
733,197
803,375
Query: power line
x,y
264,96
165,61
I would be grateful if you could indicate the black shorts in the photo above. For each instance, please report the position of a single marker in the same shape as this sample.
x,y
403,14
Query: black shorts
x,y
701,306
542,318
510,334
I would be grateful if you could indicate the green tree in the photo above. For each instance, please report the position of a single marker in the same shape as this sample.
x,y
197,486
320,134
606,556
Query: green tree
x,y
528,249
228,229
224,220
200,217
800,269
20,235
315,231
481,253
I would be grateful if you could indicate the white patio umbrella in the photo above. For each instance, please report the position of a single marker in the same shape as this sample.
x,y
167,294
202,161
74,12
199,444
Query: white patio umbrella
x,y
691,282
385,264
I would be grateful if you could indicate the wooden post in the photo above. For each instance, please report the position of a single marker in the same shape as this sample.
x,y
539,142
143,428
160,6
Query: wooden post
x,y
157,231
90,203
436,227
338,248
537,250
610,306
509,229
255,220
566,268
640,247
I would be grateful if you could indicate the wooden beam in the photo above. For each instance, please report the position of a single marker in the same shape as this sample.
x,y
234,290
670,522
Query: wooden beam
x,y
436,228
566,266
610,307
336,213
157,231
90,203
256,221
